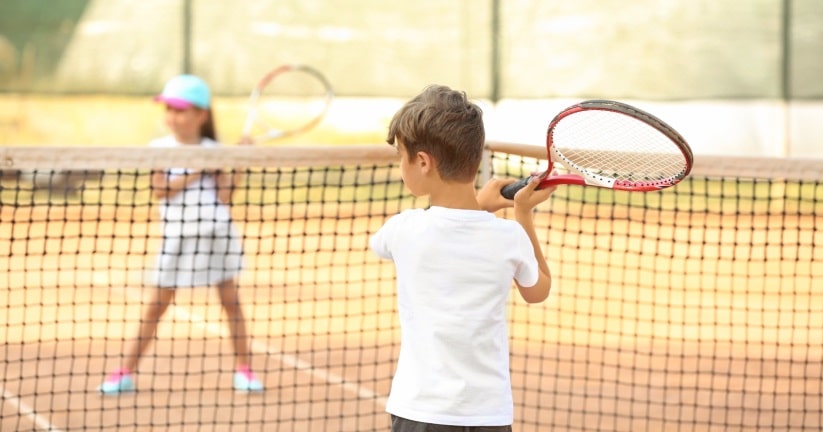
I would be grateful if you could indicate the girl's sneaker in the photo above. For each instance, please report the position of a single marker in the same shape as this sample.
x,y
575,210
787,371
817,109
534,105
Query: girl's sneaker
x,y
245,382
120,381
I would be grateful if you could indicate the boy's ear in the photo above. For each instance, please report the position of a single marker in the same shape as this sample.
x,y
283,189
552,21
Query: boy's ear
x,y
425,161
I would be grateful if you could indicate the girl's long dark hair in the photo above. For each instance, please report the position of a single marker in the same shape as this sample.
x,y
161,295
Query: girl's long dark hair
x,y
208,129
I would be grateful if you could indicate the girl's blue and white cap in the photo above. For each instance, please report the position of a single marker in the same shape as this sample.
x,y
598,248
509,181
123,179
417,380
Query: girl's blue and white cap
x,y
185,91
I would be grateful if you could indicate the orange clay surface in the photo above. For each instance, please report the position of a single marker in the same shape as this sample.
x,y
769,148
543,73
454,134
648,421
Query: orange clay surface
x,y
638,334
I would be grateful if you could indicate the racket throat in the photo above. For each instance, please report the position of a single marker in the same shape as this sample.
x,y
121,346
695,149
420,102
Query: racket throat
x,y
561,179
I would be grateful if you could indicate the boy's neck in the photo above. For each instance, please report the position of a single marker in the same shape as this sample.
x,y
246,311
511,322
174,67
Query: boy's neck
x,y
461,196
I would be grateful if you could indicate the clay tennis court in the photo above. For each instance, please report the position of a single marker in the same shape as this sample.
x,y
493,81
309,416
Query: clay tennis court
x,y
60,307
689,320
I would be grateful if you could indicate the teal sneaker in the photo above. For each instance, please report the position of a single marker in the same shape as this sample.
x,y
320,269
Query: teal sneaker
x,y
118,382
246,382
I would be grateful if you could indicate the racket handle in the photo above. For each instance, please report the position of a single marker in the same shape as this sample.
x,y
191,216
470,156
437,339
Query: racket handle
x,y
510,190
248,125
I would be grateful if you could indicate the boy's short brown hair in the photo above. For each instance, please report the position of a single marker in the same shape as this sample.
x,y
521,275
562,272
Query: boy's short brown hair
x,y
445,124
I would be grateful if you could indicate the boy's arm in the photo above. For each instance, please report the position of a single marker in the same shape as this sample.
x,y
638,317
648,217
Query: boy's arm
x,y
489,197
524,202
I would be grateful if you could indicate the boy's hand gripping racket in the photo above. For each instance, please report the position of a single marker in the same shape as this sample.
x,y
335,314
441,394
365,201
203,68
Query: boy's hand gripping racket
x,y
612,145
289,100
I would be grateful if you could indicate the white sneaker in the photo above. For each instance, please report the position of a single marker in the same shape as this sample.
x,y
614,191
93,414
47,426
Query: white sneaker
x,y
117,383
246,382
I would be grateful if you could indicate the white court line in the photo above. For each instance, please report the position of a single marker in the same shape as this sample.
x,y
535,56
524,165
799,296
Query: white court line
x,y
263,348
28,412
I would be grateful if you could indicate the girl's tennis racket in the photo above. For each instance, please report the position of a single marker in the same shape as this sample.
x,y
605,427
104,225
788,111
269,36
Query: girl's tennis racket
x,y
612,145
288,100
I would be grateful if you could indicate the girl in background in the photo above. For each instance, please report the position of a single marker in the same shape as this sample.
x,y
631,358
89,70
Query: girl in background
x,y
201,246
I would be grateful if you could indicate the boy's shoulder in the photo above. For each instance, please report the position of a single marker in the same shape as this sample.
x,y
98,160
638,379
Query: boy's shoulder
x,y
482,220
404,216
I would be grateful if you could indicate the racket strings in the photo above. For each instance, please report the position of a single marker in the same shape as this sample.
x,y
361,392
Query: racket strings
x,y
616,146
290,101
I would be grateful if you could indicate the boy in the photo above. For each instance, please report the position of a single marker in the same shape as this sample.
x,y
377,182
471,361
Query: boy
x,y
455,263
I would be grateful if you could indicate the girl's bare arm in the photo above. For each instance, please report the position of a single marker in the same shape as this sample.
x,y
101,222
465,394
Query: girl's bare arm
x,y
163,186
226,181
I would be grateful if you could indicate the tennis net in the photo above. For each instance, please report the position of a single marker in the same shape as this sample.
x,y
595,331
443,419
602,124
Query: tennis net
x,y
694,308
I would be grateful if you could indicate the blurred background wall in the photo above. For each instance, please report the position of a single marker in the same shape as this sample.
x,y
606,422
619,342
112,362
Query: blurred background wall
x,y
734,76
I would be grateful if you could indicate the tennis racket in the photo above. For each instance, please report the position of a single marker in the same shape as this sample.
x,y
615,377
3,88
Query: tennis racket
x,y
612,145
289,100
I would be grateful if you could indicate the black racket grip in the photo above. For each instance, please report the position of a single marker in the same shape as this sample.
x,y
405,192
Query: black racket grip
x,y
508,191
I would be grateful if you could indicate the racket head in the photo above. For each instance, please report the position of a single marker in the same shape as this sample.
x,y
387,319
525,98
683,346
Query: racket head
x,y
288,100
614,145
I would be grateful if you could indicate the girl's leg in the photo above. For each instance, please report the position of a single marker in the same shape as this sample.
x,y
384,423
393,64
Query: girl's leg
x,y
237,325
120,380
148,326
244,379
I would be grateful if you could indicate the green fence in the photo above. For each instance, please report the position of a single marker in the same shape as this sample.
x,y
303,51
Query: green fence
x,y
495,49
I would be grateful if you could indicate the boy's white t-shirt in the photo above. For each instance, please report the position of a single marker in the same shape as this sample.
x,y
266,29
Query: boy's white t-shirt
x,y
454,274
